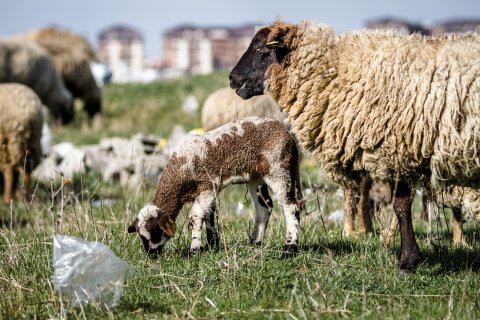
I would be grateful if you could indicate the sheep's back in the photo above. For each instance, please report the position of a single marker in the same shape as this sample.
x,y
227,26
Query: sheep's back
x,y
20,125
224,105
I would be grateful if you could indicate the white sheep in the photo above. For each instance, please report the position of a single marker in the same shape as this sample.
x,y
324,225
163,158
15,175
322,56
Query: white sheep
x,y
374,105
224,105
255,150
21,124
31,65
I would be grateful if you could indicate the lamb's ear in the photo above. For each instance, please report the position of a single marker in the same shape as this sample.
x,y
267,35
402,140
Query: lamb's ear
x,y
168,226
132,227
275,44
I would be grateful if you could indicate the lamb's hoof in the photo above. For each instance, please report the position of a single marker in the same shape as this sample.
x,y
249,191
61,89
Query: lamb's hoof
x,y
192,252
289,250
213,243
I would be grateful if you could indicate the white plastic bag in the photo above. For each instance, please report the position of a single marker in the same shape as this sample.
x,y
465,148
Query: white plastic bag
x,y
87,271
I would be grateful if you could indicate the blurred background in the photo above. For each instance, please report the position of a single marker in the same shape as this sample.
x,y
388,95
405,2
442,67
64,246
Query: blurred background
x,y
147,40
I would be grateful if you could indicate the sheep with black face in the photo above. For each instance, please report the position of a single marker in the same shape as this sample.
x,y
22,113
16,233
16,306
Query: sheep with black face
x,y
374,105
257,151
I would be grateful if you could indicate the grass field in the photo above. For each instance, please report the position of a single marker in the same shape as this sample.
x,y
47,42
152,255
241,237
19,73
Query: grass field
x,y
331,277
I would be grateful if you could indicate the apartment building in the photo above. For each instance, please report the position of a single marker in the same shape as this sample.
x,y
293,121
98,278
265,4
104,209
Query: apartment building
x,y
192,49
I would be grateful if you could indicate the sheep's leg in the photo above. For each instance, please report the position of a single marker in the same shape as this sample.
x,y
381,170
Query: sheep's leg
x,y
349,207
364,211
409,255
213,239
8,182
457,226
388,232
263,208
200,209
286,197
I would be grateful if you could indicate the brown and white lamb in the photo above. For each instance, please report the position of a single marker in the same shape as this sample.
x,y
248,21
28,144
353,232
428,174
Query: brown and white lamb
x,y
257,151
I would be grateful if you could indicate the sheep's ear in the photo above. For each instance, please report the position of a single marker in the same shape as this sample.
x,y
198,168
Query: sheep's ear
x,y
168,226
275,44
132,227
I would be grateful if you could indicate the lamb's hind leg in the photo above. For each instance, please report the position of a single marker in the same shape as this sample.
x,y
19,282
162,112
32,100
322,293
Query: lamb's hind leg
x,y
286,197
263,208
213,239
200,209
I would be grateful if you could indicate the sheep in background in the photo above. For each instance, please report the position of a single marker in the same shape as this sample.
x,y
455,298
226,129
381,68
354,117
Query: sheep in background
x,y
21,124
72,56
224,105
31,65
374,105
257,151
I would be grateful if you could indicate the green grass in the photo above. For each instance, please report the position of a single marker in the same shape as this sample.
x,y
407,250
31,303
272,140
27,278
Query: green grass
x,y
331,277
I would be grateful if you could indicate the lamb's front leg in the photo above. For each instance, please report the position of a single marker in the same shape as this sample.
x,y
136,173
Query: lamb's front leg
x,y
201,207
263,208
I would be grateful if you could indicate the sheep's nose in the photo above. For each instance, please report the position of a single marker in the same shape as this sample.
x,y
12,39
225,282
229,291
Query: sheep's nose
x,y
235,81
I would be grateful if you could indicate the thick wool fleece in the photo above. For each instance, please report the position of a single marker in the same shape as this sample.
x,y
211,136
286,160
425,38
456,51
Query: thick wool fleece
x,y
224,105
30,64
389,105
20,127
71,54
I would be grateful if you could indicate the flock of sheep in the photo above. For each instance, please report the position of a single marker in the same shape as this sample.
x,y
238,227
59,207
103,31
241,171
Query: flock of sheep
x,y
43,68
372,107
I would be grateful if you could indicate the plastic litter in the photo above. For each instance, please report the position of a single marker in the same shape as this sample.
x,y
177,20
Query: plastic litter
x,y
87,272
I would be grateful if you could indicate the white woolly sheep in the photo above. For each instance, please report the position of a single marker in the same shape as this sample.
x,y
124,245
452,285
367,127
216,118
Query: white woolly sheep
x,y
224,105
72,55
21,123
257,151
374,105
31,65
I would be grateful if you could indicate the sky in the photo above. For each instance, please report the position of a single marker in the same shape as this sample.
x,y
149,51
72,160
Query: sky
x,y
152,18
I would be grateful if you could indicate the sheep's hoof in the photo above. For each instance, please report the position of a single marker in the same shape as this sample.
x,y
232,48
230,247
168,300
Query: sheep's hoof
x,y
289,250
256,243
408,261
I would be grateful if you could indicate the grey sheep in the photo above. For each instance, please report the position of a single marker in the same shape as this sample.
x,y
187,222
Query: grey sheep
x,y
72,55
374,105
31,65
21,123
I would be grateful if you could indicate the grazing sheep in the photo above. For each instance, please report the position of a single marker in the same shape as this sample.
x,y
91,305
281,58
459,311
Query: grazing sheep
x,y
257,151
224,105
29,64
20,132
72,55
374,105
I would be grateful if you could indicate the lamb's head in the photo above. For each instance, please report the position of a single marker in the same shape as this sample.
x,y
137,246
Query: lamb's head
x,y
269,46
153,228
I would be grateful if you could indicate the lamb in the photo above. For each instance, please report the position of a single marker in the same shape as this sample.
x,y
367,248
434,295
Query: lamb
x,y
257,151
72,55
21,123
223,106
29,64
374,105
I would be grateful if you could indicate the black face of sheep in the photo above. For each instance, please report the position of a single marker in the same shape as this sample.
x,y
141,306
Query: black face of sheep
x,y
248,76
